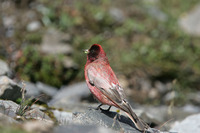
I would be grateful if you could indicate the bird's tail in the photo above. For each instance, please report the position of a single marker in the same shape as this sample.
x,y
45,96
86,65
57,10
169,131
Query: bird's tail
x,y
139,123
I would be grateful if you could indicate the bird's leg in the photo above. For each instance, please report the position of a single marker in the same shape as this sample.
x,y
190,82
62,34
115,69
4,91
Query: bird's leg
x,y
99,107
108,108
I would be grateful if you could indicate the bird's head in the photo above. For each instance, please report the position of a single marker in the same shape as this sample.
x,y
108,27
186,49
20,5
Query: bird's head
x,y
95,52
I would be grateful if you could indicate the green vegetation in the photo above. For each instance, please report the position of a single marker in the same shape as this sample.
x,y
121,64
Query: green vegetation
x,y
34,66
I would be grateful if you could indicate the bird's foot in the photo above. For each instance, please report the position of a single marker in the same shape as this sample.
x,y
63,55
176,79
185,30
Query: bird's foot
x,y
106,109
99,107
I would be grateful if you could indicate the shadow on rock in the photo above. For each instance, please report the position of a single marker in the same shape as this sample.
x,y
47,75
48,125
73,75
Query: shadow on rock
x,y
118,117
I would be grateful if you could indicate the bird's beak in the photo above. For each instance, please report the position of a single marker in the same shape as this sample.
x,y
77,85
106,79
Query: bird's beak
x,y
86,51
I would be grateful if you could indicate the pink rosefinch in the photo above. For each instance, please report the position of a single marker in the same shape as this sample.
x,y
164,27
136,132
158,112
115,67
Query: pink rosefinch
x,y
105,86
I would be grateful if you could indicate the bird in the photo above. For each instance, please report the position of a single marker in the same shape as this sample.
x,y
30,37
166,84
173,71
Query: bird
x,y
104,85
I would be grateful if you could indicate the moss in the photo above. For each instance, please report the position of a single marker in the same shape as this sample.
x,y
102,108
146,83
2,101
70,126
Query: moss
x,y
34,66
33,38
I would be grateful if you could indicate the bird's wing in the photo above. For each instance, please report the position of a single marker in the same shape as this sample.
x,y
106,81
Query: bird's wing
x,y
104,79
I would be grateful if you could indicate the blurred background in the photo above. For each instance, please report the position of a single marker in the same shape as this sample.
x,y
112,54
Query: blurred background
x,y
152,45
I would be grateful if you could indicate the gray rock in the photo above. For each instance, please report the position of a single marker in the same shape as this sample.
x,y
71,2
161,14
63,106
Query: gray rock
x,y
54,42
70,96
107,119
83,129
117,14
47,89
162,114
36,114
33,26
31,90
156,13
145,84
9,21
4,69
190,124
6,120
9,89
194,97
170,96
62,117
11,109
8,107
190,23
191,108
39,90
153,93
163,88
69,63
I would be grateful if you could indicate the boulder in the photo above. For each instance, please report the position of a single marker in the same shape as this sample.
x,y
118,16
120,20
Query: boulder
x,y
190,124
190,22
4,69
9,90
75,128
70,97
108,119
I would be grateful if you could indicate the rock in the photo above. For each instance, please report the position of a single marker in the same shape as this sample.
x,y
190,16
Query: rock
x,y
47,89
170,96
153,93
190,124
162,88
33,26
156,13
191,108
145,84
70,97
38,126
190,23
37,114
194,98
39,90
83,128
162,114
8,108
117,14
6,120
31,90
9,21
107,119
54,42
4,69
62,117
9,89
69,63
11,109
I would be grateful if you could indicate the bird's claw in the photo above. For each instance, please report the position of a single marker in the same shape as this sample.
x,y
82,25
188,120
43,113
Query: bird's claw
x,y
99,107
